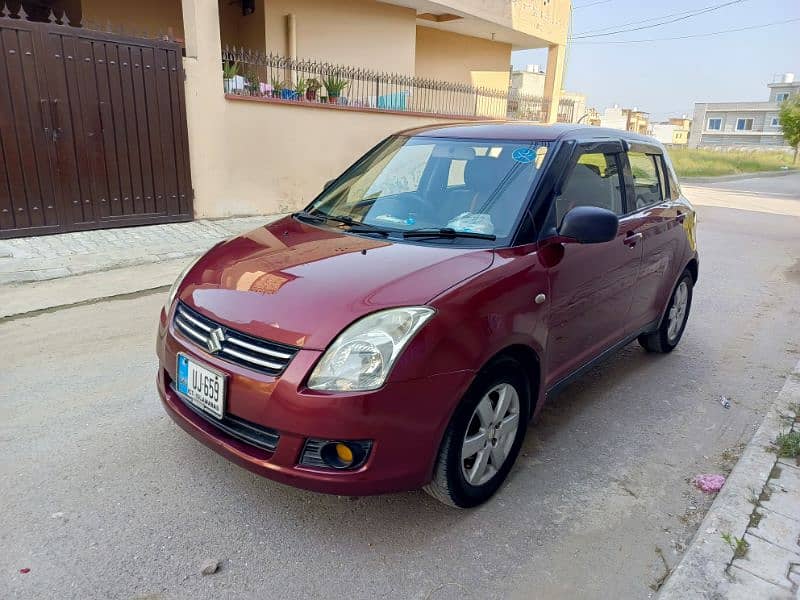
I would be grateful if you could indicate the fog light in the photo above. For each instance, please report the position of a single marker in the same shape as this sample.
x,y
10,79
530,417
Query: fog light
x,y
335,454
344,454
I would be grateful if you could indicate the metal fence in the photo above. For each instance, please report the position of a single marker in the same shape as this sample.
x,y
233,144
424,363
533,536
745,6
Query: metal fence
x,y
250,73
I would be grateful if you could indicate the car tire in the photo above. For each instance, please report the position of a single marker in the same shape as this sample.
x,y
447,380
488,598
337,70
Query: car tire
x,y
669,333
503,381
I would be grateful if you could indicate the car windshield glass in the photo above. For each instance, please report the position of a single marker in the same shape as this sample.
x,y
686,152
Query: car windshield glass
x,y
458,185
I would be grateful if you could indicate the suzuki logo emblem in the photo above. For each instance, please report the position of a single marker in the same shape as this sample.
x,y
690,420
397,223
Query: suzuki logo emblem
x,y
215,339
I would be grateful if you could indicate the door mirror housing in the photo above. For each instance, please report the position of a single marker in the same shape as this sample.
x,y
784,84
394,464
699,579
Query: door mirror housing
x,y
589,225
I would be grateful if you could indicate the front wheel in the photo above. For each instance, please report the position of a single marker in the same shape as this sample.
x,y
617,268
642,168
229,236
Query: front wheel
x,y
483,438
669,332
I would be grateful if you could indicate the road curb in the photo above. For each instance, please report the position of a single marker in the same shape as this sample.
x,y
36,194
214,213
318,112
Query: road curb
x,y
736,177
702,572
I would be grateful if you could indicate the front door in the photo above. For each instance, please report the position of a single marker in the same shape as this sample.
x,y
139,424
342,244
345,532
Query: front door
x,y
590,284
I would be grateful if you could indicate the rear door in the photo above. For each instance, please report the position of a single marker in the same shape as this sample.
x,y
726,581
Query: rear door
x,y
657,221
591,285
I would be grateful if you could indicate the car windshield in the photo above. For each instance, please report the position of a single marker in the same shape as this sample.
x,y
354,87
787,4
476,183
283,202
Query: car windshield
x,y
435,185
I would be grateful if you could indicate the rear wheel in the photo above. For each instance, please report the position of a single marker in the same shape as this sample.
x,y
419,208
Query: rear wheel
x,y
669,332
483,438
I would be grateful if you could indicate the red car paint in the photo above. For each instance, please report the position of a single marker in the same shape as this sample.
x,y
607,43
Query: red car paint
x,y
302,284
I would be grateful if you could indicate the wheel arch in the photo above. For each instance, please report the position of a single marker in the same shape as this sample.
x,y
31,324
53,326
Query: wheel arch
x,y
693,268
529,358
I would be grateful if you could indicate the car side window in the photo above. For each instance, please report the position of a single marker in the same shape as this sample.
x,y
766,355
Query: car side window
x,y
595,181
647,181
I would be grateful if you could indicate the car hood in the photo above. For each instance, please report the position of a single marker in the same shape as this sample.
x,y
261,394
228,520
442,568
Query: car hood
x,y
301,285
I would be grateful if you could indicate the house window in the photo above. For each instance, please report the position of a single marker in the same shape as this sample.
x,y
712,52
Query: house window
x,y
774,122
715,124
744,124
781,96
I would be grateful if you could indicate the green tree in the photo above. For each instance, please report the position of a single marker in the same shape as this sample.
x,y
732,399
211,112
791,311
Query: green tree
x,y
789,118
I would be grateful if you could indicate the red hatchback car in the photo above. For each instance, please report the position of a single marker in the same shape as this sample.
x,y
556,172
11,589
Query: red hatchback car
x,y
402,330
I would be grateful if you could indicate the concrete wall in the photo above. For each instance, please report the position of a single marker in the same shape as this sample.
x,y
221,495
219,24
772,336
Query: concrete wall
x,y
151,16
452,57
239,30
361,33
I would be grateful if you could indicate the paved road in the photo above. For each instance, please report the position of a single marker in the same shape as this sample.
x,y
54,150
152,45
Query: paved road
x,y
103,497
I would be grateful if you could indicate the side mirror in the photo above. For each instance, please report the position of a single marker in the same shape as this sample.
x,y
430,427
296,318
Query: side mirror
x,y
589,225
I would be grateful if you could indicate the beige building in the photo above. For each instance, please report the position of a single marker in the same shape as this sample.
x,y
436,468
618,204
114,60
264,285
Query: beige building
x,y
260,142
628,119
531,82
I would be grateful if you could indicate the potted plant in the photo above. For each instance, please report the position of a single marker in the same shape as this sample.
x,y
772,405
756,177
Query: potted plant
x,y
277,87
287,91
334,84
253,85
229,71
312,87
300,89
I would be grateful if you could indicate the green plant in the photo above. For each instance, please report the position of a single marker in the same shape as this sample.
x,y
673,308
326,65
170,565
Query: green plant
x,y
253,84
301,86
789,444
313,85
335,85
277,84
230,69
789,118
738,545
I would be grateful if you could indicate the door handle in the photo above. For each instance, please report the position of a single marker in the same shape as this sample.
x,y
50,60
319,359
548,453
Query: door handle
x,y
632,239
54,114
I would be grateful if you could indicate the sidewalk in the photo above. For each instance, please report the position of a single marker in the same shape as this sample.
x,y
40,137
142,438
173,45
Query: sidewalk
x,y
759,508
63,255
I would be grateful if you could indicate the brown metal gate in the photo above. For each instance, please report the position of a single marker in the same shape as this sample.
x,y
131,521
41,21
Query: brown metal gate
x,y
92,130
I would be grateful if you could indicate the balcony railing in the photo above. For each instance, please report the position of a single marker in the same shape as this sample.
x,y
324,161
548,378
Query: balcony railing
x,y
256,74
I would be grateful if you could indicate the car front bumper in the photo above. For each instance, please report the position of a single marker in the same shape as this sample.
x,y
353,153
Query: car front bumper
x,y
404,420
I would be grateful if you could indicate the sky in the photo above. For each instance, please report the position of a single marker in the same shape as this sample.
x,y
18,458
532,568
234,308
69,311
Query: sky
x,y
666,78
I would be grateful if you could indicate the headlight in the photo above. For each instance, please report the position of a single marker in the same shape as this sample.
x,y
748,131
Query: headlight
x,y
173,291
362,356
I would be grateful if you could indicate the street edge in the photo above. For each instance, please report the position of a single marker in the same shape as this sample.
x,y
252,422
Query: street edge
x,y
721,178
702,571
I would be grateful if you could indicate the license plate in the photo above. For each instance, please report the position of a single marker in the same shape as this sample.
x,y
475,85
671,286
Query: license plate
x,y
202,386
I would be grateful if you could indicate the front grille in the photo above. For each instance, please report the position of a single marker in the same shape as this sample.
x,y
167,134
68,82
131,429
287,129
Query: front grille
x,y
233,346
250,433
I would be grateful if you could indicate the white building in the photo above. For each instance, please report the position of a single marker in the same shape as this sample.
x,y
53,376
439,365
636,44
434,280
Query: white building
x,y
743,124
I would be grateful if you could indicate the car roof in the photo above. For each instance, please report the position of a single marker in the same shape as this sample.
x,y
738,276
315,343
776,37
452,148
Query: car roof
x,y
524,131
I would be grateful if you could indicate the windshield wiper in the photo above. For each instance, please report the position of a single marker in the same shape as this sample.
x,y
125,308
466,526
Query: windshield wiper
x,y
447,232
320,217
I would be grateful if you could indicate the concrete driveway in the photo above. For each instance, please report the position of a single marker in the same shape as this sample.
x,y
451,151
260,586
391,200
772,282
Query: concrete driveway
x,y
104,497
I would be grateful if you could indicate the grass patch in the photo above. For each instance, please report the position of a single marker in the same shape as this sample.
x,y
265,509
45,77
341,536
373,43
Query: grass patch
x,y
755,519
788,444
710,163
738,545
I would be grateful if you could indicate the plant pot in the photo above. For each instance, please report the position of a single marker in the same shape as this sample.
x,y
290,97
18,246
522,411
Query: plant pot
x,y
227,84
287,94
311,94
276,93
333,99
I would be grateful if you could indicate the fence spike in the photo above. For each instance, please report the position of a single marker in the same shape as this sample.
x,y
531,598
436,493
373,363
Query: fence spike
x,y
21,14
3,12
51,18
65,19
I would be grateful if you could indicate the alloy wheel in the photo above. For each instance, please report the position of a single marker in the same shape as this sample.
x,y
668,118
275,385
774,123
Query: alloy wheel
x,y
490,434
677,312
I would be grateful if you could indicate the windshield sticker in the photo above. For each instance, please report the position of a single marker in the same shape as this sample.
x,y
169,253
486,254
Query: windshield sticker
x,y
523,155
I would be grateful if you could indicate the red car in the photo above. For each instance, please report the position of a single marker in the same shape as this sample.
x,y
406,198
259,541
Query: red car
x,y
402,330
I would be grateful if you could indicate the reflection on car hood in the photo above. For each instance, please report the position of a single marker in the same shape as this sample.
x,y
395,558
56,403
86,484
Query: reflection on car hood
x,y
301,285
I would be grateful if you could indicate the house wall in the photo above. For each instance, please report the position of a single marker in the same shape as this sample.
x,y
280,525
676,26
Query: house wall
x,y
238,30
361,33
452,57
151,16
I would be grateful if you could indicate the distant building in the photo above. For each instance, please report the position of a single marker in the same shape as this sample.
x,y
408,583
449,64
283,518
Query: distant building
x,y
674,132
743,124
628,119
531,82
592,117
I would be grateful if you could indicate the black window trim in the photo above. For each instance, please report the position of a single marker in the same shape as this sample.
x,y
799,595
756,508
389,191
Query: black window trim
x,y
658,156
